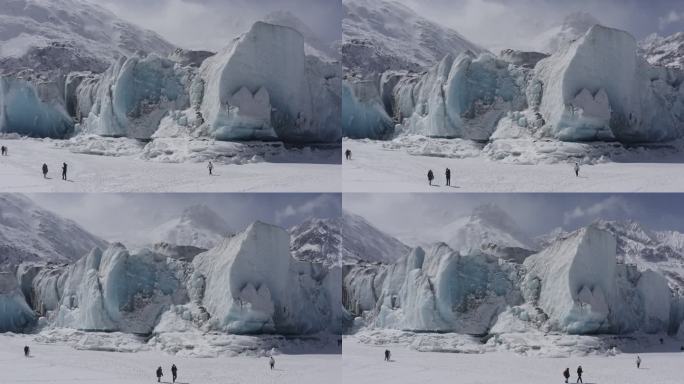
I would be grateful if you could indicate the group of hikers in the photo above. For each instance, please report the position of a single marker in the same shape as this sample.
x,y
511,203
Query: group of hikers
x,y
447,175
566,374
174,373
447,172
174,370
64,171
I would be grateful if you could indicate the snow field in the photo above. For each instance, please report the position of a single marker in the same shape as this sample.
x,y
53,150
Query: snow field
x,y
62,364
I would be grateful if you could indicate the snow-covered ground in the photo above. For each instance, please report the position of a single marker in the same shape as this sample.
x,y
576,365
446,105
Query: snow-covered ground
x,y
364,364
374,168
21,172
54,363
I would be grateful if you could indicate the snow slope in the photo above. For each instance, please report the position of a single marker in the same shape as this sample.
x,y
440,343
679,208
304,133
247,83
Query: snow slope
x,y
31,233
379,35
197,226
488,227
68,35
363,242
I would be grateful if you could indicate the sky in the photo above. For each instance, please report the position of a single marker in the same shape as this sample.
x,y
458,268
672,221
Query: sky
x,y
411,217
128,217
212,24
497,24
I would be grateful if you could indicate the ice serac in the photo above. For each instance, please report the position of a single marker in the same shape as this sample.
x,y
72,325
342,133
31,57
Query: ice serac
x,y
363,114
15,314
113,290
598,88
251,284
442,290
264,87
461,97
132,96
25,111
578,284
576,280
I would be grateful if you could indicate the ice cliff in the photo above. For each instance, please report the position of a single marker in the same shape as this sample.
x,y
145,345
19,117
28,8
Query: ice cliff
x,y
575,285
248,284
596,87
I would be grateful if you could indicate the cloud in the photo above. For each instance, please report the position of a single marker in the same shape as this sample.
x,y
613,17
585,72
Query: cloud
x,y
611,207
672,17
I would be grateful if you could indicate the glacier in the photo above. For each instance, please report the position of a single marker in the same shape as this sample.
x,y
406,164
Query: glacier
x,y
596,87
262,86
24,111
575,285
247,284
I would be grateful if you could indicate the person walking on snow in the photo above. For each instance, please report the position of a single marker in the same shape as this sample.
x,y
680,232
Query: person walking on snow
x,y
576,169
579,374
45,171
638,362
566,374
27,351
271,362
431,176
448,176
347,154
64,171
159,374
174,372
388,354
210,166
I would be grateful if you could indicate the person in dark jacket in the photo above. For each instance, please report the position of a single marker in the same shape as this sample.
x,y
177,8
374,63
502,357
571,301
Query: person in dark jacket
x,y
388,354
27,351
174,372
448,176
45,171
347,154
638,361
579,374
64,171
159,374
431,176
566,374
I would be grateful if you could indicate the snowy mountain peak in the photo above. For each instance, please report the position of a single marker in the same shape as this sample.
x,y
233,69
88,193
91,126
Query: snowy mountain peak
x,y
197,226
487,227
664,51
317,240
379,35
